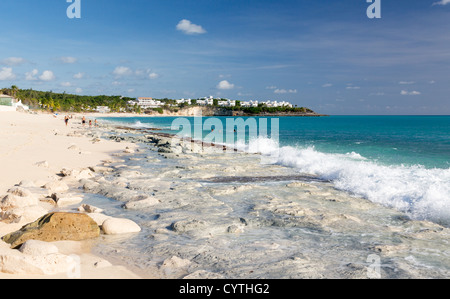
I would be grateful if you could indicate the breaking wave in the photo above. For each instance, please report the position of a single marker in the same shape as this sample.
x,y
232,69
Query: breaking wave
x,y
422,193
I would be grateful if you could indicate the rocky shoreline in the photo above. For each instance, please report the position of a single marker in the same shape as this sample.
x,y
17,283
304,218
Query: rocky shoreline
x,y
207,214
175,208
61,216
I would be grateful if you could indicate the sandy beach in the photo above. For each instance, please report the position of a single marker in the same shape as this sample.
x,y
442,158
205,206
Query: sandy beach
x,y
34,150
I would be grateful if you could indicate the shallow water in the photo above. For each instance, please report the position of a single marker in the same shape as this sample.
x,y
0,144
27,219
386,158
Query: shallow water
x,y
233,216
397,161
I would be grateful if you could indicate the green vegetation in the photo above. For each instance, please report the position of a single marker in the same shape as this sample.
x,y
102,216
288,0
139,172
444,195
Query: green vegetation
x,y
58,102
270,110
50,101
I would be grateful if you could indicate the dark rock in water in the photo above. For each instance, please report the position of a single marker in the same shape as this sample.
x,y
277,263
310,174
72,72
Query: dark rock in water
x,y
188,225
255,179
56,226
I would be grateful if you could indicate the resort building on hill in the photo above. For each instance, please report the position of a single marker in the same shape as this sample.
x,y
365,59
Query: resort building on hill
x,y
145,103
249,104
8,103
227,103
103,109
184,101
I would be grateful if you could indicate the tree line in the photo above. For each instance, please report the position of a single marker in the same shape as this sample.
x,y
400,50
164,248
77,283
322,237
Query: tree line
x,y
59,102
54,102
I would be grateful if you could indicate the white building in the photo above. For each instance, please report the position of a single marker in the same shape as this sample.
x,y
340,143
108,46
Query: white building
x,y
227,103
267,104
184,101
278,104
249,104
103,109
145,103
8,103
206,101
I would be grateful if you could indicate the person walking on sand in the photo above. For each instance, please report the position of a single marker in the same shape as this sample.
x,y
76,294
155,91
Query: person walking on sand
x,y
90,123
66,120
83,121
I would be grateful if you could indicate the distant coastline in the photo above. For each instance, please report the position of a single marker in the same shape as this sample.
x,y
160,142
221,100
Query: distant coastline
x,y
51,102
218,111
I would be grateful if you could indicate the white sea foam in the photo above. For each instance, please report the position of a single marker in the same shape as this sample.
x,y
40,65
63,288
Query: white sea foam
x,y
422,193
138,125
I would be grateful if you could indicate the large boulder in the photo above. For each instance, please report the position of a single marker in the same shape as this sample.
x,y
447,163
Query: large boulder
x,y
57,226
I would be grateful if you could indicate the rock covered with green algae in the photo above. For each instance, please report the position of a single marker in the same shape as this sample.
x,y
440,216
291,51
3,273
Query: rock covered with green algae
x,y
57,226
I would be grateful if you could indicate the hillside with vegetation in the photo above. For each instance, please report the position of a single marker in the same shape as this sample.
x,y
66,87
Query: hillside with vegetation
x,y
54,102
64,102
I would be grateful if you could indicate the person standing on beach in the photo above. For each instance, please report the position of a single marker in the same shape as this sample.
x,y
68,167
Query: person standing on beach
x,y
66,120
83,121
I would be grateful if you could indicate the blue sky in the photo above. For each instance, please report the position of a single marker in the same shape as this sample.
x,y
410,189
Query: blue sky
x,y
324,54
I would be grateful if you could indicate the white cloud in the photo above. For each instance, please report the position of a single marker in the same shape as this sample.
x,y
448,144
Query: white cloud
x,y
148,74
225,85
31,76
409,93
327,85
66,84
68,59
122,71
78,76
282,91
188,28
6,73
11,61
153,76
271,87
353,87
377,94
78,90
406,82
47,76
442,2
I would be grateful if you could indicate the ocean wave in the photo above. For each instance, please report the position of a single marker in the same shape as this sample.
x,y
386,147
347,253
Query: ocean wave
x,y
139,125
420,192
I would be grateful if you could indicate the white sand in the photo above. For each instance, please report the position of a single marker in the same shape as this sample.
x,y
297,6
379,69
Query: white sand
x,y
26,139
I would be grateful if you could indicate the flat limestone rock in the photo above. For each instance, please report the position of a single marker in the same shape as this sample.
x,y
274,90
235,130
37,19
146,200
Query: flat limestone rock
x,y
57,226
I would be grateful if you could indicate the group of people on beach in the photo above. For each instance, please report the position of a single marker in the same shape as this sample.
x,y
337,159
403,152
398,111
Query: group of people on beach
x,y
83,121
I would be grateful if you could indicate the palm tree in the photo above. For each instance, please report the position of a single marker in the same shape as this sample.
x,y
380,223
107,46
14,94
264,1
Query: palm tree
x,y
14,90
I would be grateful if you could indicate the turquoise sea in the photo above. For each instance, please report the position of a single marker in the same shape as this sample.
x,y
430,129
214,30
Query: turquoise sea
x,y
398,161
